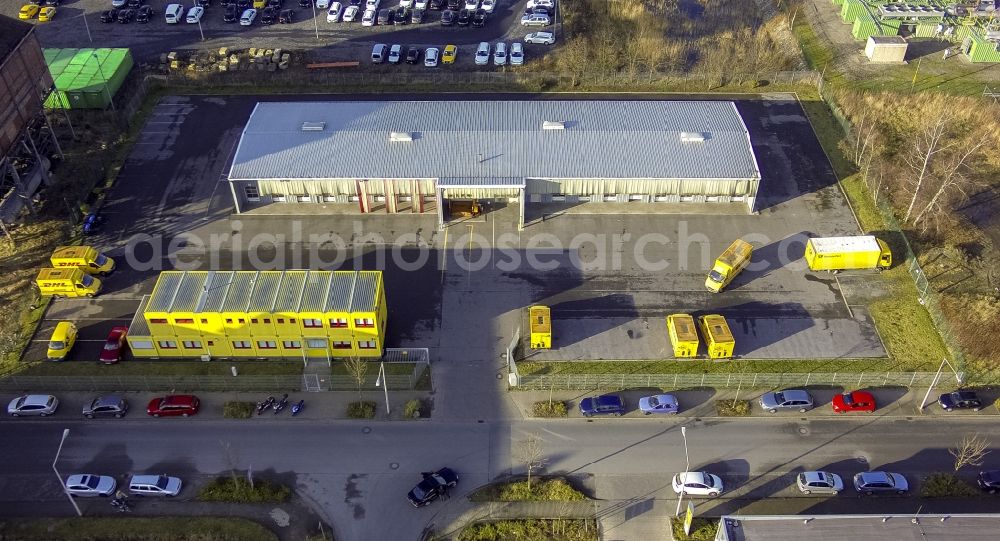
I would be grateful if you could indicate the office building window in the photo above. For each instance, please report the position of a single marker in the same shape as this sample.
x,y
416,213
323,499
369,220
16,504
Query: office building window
x,y
312,323
242,344
364,322
366,344
167,344
338,323
339,344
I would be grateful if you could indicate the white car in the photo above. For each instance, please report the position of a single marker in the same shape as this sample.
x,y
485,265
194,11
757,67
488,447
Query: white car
x,y
87,485
431,56
395,53
483,54
535,19
488,5
368,19
819,481
406,4
333,15
543,38
194,15
41,405
697,483
371,4
322,4
118,3
420,4
516,54
472,5
541,3
248,16
350,14
500,54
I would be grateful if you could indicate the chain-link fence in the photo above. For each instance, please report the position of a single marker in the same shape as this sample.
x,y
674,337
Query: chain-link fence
x,y
761,380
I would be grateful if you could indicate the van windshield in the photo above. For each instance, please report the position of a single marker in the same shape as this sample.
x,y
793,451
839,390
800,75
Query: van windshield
x,y
57,344
87,280
716,276
101,260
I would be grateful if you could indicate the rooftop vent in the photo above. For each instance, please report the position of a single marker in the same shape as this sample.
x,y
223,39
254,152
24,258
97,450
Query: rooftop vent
x,y
553,125
400,137
693,137
313,126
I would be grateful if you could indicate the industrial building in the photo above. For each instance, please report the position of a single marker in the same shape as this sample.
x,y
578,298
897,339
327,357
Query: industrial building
x,y
262,314
415,156
922,526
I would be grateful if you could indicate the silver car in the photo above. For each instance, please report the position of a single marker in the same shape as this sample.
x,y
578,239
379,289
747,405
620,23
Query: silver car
x,y
873,482
41,405
791,399
86,485
819,482
109,405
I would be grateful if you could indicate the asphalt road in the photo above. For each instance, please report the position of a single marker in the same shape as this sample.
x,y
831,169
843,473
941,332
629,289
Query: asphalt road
x,y
358,474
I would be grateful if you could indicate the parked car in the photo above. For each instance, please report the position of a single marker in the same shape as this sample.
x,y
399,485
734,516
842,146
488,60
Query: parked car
x,y
126,15
420,4
41,405
543,38
109,405
368,19
248,16
231,14
989,481
114,346
433,486
661,403
500,54
449,55
350,14
787,399
378,53
384,16
417,17
143,14
874,482
448,17
436,5
819,482
401,16
697,483
246,4
488,5
269,16
605,404
173,405
431,57
483,54
85,485
543,3
464,18
406,3
516,54
413,55
286,16
538,11
535,20
109,16
372,4
194,15
322,4
960,400
28,11
154,485
472,5
61,341
202,3
454,5
305,3
853,401
46,14
479,18
333,14
395,53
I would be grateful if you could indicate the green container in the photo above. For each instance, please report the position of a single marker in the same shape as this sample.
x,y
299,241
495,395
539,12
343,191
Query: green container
x,y
838,2
980,50
865,27
85,77
852,9
890,27
925,30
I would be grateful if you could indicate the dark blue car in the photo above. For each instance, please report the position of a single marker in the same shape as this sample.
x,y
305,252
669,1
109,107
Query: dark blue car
x,y
606,404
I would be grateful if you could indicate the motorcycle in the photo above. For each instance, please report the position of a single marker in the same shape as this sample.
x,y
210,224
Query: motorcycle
x,y
261,406
297,407
280,404
122,505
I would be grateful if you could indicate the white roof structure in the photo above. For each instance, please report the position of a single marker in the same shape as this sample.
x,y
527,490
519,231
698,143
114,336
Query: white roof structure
x,y
841,245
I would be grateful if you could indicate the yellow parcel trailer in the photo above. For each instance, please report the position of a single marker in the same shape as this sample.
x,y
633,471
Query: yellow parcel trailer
x,y
718,337
683,335
729,264
540,319
843,253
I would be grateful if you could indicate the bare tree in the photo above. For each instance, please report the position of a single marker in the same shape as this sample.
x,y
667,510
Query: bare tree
x,y
953,181
970,451
529,451
927,144
357,368
574,58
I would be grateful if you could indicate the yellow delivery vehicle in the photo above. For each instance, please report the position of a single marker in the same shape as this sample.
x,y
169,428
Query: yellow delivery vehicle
x,y
718,337
729,264
86,258
67,282
843,253
540,323
683,335
62,340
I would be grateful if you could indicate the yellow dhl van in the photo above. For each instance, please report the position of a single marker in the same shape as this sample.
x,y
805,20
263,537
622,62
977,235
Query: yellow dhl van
x,y
259,4
85,258
541,327
843,253
67,282
62,340
729,264
718,337
683,335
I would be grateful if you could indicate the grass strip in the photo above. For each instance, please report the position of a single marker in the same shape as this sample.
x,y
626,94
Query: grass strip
x,y
135,529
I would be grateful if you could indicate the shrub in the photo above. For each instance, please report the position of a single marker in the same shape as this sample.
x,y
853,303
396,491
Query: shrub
x,y
412,409
542,490
946,485
702,529
727,408
238,490
533,528
238,410
550,409
363,409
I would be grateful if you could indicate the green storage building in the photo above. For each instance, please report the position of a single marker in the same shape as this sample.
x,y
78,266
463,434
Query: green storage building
x,y
865,26
852,9
86,78
979,50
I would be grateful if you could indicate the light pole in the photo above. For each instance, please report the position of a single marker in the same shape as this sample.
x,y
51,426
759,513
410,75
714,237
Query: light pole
x,y
59,477
383,382
687,466
111,99
315,20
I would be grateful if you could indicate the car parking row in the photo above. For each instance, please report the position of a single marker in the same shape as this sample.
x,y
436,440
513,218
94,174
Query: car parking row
x,y
500,53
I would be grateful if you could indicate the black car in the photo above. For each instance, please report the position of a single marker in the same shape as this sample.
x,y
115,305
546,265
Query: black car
x,y
203,3
244,5
270,16
384,16
355,2
276,4
134,3
434,485
605,404
143,14
413,55
232,14
402,16
464,18
225,3
126,16
417,17
286,16
479,18
305,3
455,5
447,17
109,16
111,405
960,400
436,5
989,481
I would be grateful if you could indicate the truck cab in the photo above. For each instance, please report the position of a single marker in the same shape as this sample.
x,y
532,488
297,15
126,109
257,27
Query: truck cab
x,y
728,265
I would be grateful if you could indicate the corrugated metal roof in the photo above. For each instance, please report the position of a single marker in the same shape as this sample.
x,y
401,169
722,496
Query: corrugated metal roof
x,y
466,182
338,299
239,292
216,288
290,291
833,245
265,291
365,291
189,291
490,140
163,294
139,327
316,287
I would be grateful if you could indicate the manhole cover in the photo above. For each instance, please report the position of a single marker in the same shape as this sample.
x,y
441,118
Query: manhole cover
x,y
803,430
366,430
862,459
394,465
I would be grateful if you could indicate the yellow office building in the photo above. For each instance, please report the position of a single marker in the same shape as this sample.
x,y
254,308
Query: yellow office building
x,y
294,313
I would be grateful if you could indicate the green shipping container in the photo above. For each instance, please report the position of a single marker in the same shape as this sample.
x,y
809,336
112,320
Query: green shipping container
x,y
838,2
86,78
865,27
980,50
851,10
890,27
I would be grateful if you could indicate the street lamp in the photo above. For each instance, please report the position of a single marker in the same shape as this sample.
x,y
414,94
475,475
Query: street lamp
x,y
315,21
59,477
687,467
383,382
105,79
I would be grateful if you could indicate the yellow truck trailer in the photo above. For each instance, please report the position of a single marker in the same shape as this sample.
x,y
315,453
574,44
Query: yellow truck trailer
x,y
729,264
85,258
67,282
843,253
718,337
540,323
683,335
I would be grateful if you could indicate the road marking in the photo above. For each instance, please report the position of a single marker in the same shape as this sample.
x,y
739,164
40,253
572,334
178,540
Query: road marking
x,y
444,255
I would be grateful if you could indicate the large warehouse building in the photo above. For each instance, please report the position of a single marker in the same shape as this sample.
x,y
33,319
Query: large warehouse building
x,y
415,156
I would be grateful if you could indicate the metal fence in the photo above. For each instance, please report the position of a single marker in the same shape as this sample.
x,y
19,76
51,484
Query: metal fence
x,y
762,380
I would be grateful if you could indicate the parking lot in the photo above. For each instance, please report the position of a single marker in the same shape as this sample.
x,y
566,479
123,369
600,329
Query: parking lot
x,y
78,24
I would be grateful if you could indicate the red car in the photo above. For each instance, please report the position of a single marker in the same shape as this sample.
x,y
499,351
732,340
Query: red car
x,y
114,346
173,405
854,401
